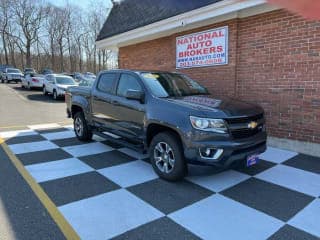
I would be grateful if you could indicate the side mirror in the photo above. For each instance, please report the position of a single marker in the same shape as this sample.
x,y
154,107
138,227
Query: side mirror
x,y
135,95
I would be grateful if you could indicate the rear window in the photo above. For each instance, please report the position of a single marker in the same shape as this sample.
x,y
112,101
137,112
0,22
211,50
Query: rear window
x,y
106,82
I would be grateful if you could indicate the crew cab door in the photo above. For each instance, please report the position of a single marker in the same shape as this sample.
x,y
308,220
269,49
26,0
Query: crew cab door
x,y
129,114
102,98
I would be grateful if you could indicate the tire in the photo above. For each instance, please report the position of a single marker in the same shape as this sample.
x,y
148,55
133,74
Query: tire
x,y
55,95
44,91
169,164
81,128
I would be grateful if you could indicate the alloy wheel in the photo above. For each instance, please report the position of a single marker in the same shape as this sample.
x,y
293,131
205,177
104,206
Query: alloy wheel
x,y
78,126
164,157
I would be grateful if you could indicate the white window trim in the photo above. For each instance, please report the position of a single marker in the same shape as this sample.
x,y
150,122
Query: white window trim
x,y
217,12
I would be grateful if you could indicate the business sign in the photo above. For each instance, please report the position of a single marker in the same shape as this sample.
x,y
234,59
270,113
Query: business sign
x,y
202,49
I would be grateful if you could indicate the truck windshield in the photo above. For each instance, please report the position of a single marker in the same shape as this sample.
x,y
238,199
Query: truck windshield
x,y
172,85
65,81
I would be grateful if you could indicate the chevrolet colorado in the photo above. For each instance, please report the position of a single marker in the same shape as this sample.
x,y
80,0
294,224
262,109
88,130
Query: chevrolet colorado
x,y
170,116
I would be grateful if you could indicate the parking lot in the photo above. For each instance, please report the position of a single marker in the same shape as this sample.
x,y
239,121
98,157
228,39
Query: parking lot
x,y
102,190
20,107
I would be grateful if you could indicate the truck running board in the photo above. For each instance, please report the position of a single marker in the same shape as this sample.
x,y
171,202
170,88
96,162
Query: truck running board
x,y
118,140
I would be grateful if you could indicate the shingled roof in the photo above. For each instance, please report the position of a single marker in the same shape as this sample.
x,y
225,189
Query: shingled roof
x,y
131,14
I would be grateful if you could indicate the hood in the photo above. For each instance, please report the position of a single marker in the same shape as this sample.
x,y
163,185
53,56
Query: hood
x,y
212,107
65,86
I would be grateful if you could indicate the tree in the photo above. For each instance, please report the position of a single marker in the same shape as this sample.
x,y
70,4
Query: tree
x,y
5,16
29,15
39,34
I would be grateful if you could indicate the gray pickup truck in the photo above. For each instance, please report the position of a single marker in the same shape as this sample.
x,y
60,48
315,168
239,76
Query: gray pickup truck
x,y
170,116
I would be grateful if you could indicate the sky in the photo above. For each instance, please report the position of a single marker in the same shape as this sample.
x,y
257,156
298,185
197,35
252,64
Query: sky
x,y
80,3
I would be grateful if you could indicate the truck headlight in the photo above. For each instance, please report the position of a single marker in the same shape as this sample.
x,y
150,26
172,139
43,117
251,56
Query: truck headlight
x,y
209,124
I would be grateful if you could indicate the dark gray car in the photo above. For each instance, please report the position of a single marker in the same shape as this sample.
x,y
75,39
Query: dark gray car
x,y
171,116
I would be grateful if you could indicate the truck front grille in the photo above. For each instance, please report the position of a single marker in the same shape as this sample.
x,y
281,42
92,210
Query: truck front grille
x,y
239,126
245,133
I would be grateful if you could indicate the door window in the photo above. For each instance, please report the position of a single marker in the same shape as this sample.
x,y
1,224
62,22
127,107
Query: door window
x,y
127,82
106,82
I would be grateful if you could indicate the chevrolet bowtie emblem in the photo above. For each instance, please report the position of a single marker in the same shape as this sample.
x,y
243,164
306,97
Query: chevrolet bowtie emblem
x,y
252,125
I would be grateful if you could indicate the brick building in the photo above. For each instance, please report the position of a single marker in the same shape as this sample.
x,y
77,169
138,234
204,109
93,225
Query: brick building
x,y
271,56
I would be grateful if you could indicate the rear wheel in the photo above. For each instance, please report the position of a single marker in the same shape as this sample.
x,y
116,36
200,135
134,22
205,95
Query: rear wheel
x,y
81,127
167,157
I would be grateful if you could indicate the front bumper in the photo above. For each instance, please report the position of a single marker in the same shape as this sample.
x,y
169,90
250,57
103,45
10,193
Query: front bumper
x,y
61,92
234,151
14,78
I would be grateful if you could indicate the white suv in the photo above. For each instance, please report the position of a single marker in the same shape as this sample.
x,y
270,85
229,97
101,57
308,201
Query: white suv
x,y
57,84
12,75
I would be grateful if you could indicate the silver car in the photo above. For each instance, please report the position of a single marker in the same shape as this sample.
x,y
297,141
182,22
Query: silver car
x,y
12,75
32,80
57,84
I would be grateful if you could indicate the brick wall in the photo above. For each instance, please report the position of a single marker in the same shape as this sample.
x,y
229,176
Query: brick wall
x,y
273,60
279,67
160,54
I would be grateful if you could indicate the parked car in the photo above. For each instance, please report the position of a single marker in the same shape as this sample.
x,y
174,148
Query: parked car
x,y
11,75
46,71
89,75
78,76
3,68
56,85
28,70
32,80
86,82
172,117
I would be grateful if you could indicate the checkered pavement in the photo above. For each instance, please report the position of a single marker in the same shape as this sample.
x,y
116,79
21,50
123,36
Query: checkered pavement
x,y
107,191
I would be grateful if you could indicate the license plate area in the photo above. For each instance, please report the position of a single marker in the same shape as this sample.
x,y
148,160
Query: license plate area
x,y
252,160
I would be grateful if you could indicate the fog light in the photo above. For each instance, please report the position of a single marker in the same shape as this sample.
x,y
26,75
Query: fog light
x,y
210,153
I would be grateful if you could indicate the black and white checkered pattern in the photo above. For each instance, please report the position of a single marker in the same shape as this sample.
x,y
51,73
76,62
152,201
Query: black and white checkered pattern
x,y
107,191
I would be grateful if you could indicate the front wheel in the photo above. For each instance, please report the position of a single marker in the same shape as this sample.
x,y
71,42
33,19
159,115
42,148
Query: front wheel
x,y
44,91
167,157
81,127
55,95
